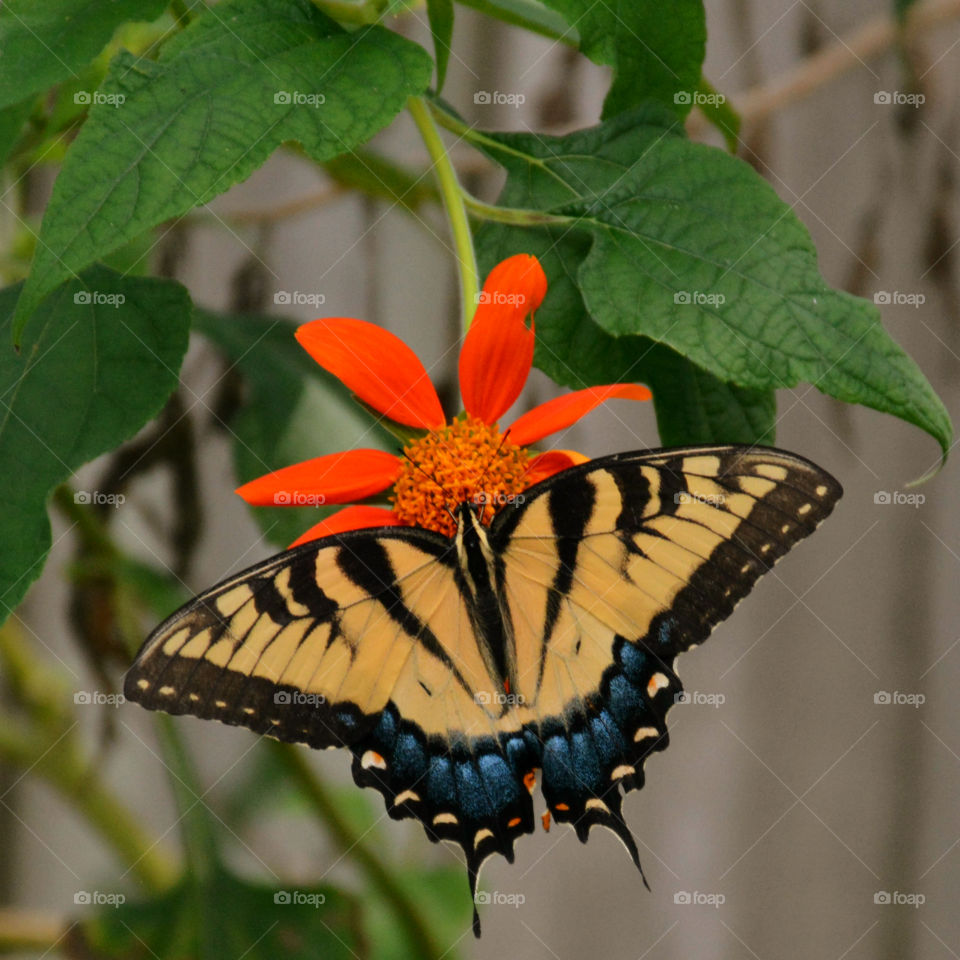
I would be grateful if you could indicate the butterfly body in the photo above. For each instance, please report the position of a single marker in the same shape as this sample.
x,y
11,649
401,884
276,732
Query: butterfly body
x,y
457,670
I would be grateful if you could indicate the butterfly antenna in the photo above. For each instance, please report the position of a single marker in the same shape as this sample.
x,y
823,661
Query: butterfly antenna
x,y
486,468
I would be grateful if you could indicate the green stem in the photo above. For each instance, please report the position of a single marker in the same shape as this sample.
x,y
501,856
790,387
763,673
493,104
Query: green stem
x,y
63,768
454,205
512,215
390,885
199,832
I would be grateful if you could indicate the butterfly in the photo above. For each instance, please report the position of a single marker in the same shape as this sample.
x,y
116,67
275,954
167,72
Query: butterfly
x,y
455,669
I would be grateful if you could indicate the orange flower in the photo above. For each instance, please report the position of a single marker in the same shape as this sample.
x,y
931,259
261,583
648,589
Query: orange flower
x,y
466,459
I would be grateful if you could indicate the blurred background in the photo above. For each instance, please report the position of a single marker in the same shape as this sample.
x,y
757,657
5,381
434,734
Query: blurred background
x,y
807,805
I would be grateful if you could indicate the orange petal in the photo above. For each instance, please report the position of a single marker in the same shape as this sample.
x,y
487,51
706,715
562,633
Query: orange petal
x,y
497,352
377,366
335,478
547,464
564,411
349,518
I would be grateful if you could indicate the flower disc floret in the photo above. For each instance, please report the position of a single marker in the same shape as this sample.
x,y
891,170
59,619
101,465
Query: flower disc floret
x,y
464,461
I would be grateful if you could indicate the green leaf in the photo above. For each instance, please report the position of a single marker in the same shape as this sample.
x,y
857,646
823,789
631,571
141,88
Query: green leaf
x,y
227,917
240,80
440,13
692,406
293,411
43,42
90,375
528,14
689,247
656,52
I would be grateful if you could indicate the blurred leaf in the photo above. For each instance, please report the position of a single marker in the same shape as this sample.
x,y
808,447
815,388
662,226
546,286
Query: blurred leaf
x,y
12,119
226,917
440,13
443,900
170,135
656,52
293,411
101,359
686,245
530,16
45,41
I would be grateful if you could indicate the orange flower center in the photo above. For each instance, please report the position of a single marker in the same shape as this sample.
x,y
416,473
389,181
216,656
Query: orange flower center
x,y
467,460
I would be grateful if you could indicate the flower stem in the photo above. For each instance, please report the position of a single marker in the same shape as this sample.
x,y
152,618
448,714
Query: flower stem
x,y
512,215
453,202
390,885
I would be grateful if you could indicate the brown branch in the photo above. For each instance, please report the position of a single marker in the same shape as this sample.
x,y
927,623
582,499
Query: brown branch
x,y
870,40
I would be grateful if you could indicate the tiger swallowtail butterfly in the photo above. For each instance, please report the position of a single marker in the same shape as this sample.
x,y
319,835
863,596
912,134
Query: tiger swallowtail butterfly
x,y
454,669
